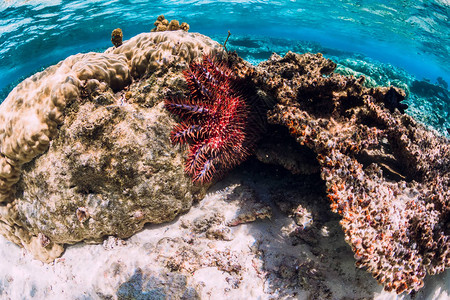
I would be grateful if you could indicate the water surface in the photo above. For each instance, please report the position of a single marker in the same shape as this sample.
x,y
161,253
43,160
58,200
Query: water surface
x,y
410,35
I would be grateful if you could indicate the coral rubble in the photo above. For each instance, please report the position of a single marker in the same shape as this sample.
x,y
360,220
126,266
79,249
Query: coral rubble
x,y
215,123
85,148
386,175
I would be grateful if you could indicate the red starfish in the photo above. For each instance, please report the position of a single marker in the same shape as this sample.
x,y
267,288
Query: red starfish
x,y
214,121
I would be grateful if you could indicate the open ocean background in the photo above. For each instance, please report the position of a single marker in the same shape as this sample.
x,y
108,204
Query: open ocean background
x,y
403,43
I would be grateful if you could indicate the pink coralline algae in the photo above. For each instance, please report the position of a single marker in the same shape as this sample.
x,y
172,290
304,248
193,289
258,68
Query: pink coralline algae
x,y
386,175
215,121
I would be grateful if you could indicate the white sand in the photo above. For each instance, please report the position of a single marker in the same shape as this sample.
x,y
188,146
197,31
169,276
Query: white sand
x,y
254,260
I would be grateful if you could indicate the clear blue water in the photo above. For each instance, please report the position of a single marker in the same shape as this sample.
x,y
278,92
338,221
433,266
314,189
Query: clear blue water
x,y
402,35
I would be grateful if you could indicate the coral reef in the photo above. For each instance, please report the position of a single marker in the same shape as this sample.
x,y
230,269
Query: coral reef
x,y
116,37
86,153
430,104
216,121
162,24
85,148
376,73
386,175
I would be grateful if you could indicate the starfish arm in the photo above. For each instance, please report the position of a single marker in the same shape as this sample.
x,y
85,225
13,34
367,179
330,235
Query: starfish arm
x,y
187,108
207,81
184,132
217,70
205,172
199,88
197,154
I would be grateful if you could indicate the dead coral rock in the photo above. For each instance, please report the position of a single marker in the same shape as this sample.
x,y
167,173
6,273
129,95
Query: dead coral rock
x,y
386,175
113,242
304,273
105,165
258,211
80,159
218,232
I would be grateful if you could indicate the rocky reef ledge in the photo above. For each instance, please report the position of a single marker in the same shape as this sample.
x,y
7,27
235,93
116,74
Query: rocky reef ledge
x,y
86,154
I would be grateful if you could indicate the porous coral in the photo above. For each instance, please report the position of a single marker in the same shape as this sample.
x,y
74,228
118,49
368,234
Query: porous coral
x,y
386,175
23,138
216,121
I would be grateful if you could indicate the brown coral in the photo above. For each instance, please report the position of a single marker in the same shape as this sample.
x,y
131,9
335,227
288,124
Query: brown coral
x,y
386,175
116,37
162,24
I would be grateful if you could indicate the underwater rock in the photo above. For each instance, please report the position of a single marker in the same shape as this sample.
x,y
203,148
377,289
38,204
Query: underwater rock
x,y
386,175
85,148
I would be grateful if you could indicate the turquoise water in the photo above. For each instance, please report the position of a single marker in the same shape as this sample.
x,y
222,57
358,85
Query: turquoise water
x,y
407,41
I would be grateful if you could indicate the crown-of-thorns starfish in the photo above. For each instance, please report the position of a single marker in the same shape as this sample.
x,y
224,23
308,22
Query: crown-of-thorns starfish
x,y
214,121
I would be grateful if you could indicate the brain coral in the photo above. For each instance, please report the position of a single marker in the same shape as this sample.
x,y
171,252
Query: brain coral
x,y
386,175
80,158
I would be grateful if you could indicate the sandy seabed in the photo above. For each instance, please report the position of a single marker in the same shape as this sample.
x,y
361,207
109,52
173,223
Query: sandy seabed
x,y
215,251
